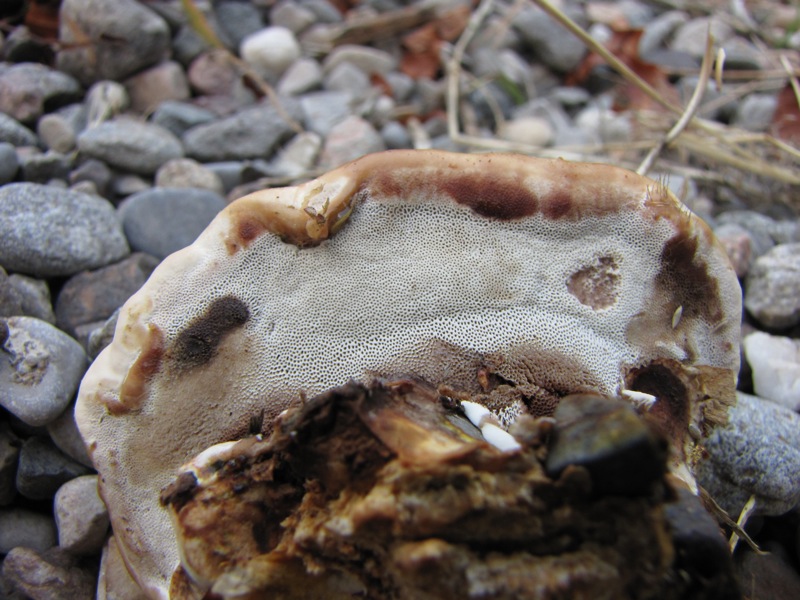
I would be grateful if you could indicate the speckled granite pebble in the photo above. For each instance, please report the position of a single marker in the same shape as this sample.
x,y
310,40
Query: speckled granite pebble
x,y
130,145
48,231
756,454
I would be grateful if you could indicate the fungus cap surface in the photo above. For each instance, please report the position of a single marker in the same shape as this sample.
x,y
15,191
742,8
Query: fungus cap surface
x,y
563,277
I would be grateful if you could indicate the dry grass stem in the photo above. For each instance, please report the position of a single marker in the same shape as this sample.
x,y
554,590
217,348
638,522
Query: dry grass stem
x,y
691,107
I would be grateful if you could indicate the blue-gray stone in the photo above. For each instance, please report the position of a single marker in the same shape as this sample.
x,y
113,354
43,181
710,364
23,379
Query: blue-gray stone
x,y
9,162
15,133
179,117
40,369
160,221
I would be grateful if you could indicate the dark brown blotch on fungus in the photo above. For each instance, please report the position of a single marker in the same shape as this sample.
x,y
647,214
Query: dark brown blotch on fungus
x,y
492,197
197,344
670,413
596,285
686,278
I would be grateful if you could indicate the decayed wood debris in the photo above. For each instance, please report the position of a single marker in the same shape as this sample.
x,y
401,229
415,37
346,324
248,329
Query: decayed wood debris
x,y
389,492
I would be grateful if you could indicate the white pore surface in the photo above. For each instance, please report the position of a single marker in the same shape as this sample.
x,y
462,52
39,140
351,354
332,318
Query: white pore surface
x,y
373,296
379,297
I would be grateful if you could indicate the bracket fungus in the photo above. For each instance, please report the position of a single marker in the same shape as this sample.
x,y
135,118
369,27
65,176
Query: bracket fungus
x,y
503,280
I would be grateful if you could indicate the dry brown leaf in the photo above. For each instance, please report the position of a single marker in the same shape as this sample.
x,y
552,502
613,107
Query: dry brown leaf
x,y
41,18
786,120
624,44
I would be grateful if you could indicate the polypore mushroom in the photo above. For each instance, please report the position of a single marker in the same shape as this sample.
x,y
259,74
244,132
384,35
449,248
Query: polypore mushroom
x,y
505,280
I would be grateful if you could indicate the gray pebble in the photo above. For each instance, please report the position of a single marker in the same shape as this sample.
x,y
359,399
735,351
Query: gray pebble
x,y
40,369
163,82
9,163
50,575
291,15
657,31
104,101
99,339
124,36
691,36
56,132
44,167
395,135
10,299
163,220
323,110
93,171
34,297
738,244
185,172
47,231
756,453
65,435
402,85
20,527
775,362
238,20
43,469
740,54
352,138
25,88
81,517
251,133
125,185
179,117
761,228
346,77
187,45
623,456
370,60
298,156
302,76
15,133
130,145
551,43
229,171
324,11
755,112
9,455
773,287
95,295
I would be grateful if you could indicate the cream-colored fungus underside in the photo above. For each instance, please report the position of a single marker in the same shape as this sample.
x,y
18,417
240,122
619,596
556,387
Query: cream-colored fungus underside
x,y
568,292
